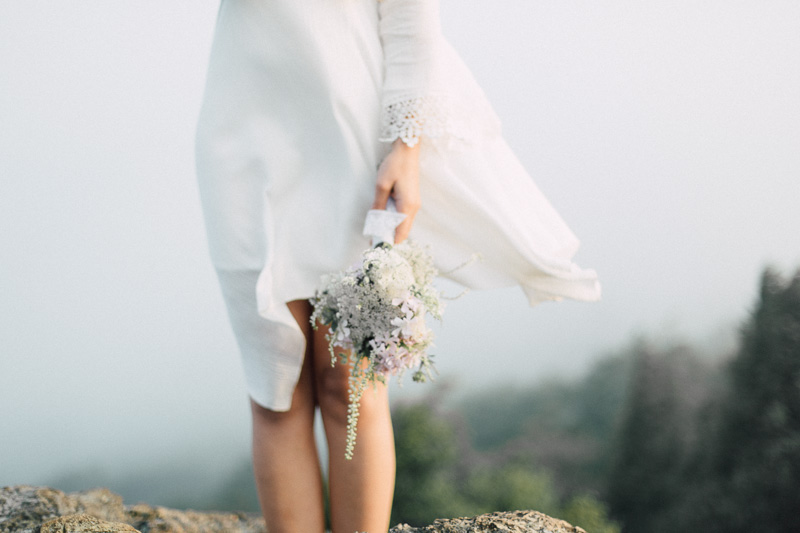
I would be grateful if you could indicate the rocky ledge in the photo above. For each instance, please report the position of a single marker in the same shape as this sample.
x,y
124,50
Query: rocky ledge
x,y
27,509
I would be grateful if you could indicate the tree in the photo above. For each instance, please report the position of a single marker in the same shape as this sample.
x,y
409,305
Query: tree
x,y
656,436
439,475
757,457
564,426
590,514
427,455
517,485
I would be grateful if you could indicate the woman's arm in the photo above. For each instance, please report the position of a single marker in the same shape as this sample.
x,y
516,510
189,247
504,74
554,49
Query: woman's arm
x,y
409,30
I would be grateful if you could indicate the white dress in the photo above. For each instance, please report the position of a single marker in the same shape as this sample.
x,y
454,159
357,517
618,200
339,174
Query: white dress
x,y
302,101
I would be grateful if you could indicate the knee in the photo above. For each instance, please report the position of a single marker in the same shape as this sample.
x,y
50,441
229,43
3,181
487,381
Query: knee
x,y
333,394
333,391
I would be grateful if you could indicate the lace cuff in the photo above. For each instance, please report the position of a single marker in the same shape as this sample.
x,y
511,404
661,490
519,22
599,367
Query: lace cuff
x,y
436,117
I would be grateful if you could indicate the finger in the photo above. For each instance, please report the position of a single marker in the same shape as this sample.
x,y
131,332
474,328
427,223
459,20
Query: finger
x,y
402,231
408,205
382,192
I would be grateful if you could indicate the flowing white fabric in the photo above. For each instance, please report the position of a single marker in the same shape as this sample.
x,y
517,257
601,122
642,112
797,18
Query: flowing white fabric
x,y
302,101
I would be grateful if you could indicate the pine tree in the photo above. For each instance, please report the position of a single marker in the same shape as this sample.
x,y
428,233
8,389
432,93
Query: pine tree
x,y
655,437
757,459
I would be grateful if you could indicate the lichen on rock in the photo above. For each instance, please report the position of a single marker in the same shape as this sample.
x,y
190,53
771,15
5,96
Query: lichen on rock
x,y
84,523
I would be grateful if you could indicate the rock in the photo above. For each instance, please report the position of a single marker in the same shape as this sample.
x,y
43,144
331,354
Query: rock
x,y
26,509
511,522
163,520
84,523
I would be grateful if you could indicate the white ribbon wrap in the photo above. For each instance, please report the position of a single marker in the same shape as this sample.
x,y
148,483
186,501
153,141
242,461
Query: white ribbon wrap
x,y
380,224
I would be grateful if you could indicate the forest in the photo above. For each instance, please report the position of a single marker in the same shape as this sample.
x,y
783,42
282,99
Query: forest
x,y
658,437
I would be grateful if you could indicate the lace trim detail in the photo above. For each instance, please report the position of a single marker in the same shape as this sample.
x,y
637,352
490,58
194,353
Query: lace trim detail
x,y
435,116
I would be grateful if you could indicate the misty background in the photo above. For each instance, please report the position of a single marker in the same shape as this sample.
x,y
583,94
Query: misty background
x,y
666,133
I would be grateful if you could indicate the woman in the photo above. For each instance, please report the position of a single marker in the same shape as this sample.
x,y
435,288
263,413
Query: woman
x,y
314,112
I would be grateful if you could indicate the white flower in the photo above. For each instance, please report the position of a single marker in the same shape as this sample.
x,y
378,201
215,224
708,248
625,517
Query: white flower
x,y
376,310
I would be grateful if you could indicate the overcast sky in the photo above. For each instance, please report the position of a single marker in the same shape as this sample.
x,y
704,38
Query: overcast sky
x,y
667,133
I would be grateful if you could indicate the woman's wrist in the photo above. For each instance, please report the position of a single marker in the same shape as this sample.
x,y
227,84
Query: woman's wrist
x,y
400,146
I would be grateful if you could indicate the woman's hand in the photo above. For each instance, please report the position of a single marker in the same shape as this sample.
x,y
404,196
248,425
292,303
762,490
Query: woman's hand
x,y
398,178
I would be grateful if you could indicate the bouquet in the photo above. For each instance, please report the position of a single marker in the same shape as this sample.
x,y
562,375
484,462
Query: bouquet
x,y
376,314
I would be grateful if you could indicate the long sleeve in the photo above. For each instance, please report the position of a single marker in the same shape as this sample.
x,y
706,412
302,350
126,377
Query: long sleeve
x,y
410,33
428,92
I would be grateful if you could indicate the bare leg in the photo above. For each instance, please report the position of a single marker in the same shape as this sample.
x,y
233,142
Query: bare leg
x,y
361,489
285,456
